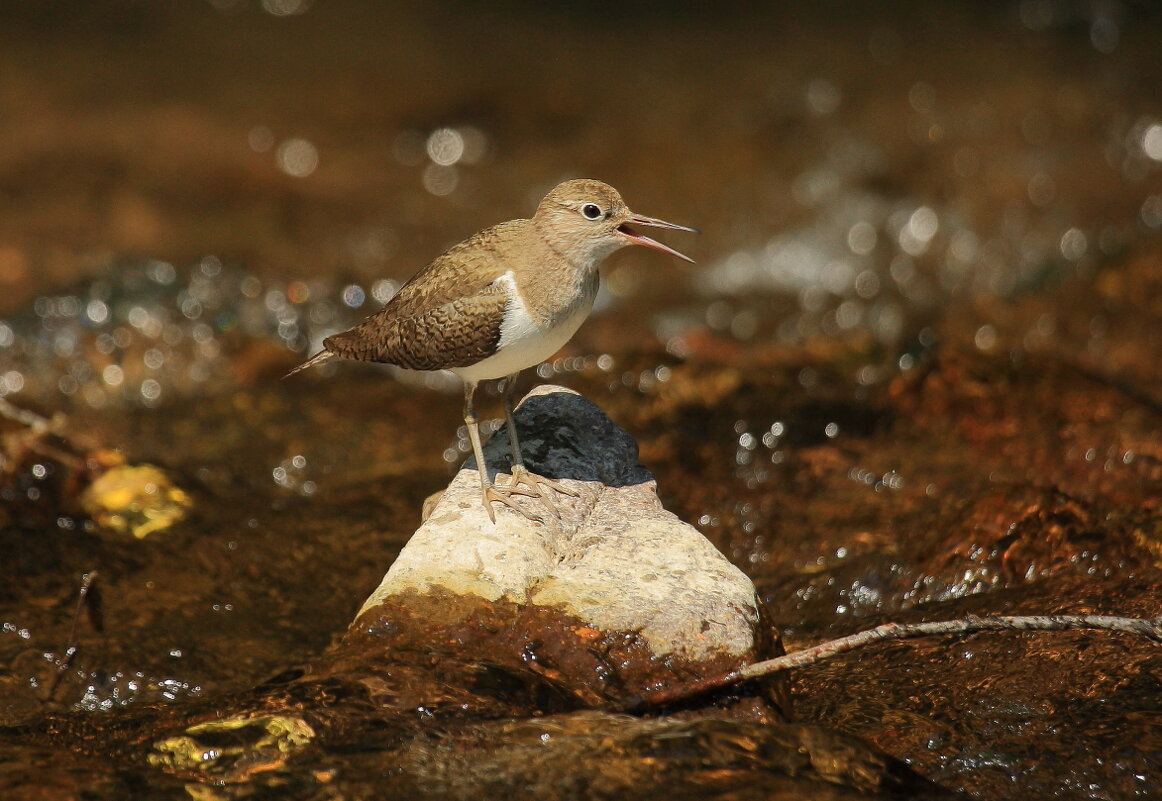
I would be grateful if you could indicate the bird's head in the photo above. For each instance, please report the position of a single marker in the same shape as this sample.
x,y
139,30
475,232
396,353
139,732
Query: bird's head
x,y
586,220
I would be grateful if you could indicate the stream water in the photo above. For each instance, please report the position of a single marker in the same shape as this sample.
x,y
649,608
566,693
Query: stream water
x,y
912,376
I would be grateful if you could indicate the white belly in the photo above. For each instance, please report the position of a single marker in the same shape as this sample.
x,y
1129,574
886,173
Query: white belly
x,y
524,341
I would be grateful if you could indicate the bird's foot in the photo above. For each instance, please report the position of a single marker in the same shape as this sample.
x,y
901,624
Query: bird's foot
x,y
540,487
527,484
522,475
504,494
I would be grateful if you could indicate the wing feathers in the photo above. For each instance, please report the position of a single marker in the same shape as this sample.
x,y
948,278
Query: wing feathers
x,y
448,315
455,334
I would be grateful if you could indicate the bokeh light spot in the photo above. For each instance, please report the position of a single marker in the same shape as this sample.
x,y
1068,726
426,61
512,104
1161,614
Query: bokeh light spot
x,y
297,157
354,296
445,146
1152,142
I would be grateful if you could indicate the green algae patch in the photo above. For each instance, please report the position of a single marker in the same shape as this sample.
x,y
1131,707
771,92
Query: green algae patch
x,y
235,748
135,499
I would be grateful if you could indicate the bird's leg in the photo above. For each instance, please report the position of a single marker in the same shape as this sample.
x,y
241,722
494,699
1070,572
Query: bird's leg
x,y
488,492
521,474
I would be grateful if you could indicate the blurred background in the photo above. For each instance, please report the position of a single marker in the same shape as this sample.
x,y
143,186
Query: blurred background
x,y
913,372
855,168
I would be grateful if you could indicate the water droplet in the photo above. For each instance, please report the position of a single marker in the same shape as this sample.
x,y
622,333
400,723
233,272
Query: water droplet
x,y
153,358
849,314
97,311
1074,244
297,157
445,146
191,308
353,296
161,272
210,266
861,238
1152,141
985,338
919,230
11,382
150,390
384,289
440,180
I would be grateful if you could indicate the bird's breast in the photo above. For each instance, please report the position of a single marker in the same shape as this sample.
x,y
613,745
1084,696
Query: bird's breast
x,y
533,329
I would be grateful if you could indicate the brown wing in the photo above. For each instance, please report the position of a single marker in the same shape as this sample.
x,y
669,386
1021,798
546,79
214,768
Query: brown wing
x,y
460,272
454,334
448,315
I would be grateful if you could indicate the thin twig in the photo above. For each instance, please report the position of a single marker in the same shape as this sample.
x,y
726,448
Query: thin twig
x,y
39,427
25,417
1150,628
87,595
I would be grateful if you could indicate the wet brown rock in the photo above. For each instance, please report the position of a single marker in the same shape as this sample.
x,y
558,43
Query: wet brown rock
x,y
614,596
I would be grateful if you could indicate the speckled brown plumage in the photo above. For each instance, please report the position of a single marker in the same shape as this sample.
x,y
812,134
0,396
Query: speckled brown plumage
x,y
455,334
448,315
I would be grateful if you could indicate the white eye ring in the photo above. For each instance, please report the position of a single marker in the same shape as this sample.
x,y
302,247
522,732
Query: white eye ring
x,y
591,211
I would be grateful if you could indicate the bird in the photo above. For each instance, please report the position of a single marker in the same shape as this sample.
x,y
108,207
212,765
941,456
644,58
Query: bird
x,y
503,300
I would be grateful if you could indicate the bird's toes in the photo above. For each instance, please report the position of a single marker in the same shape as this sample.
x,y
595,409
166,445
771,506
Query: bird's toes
x,y
504,495
522,475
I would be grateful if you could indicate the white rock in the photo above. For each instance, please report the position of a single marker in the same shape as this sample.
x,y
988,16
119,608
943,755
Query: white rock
x,y
615,558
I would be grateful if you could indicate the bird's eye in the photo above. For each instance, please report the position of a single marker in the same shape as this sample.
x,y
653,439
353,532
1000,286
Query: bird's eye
x,y
591,211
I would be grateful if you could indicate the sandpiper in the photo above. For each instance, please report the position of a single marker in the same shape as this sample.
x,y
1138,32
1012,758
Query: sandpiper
x,y
504,299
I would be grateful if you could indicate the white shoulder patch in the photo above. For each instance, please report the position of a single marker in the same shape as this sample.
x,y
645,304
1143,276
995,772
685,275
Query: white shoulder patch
x,y
518,322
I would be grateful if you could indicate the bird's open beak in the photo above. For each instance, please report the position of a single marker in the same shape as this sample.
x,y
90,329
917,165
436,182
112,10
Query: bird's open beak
x,y
641,239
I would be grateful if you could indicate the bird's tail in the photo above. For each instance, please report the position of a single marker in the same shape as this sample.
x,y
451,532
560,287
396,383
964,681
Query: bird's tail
x,y
318,358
